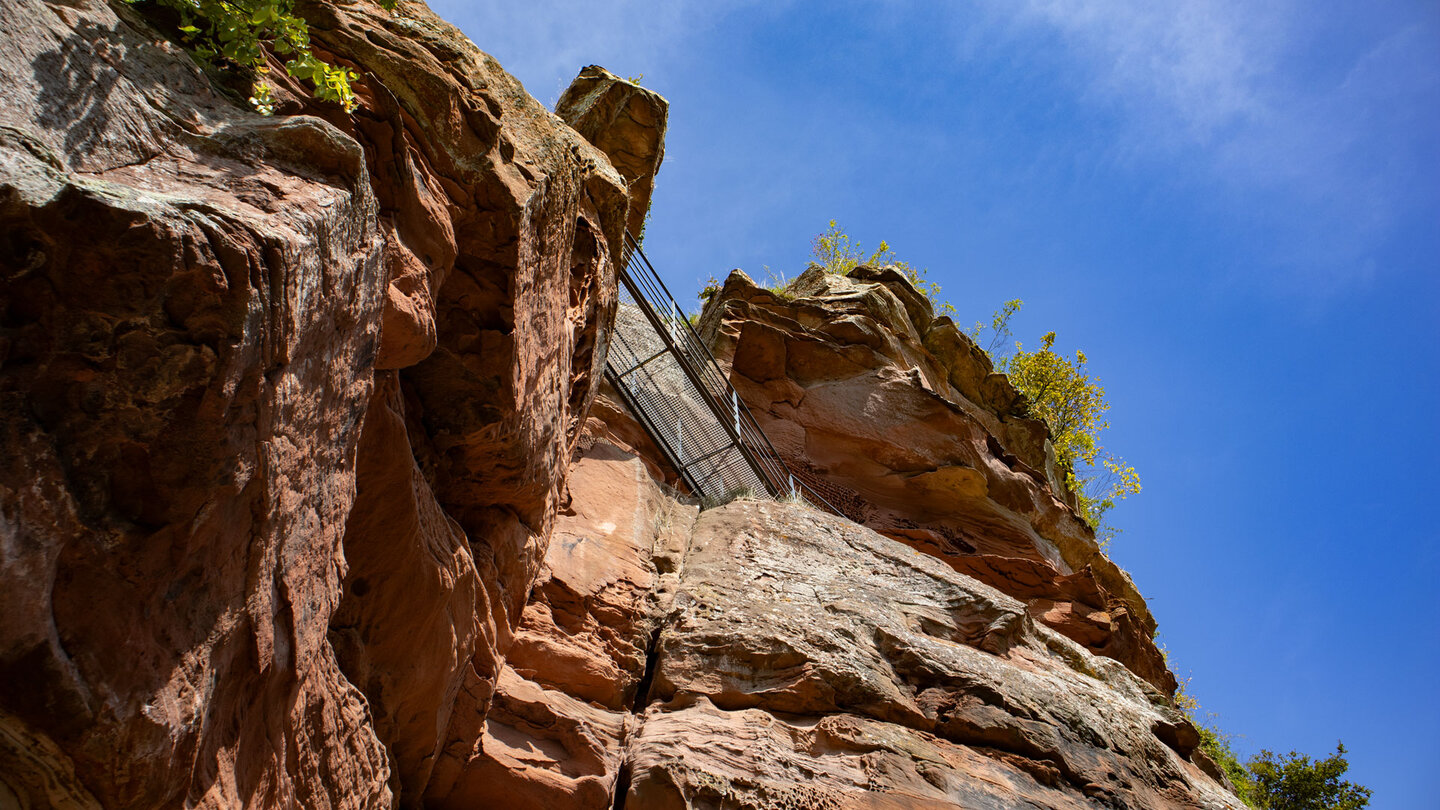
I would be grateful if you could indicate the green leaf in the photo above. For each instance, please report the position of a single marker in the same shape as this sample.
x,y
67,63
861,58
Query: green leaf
x,y
241,31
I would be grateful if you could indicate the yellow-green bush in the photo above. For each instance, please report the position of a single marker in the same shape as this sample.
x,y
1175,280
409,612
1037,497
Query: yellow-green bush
x,y
836,252
1072,403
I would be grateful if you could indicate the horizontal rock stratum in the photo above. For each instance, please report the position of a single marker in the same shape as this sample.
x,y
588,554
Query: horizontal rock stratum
x,y
312,495
768,655
902,423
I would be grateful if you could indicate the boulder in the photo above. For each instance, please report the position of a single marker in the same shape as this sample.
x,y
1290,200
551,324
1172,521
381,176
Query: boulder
x,y
625,121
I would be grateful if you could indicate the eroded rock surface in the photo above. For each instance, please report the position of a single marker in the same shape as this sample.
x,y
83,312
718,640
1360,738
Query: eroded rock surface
x,y
505,224
582,659
625,121
899,421
863,673
191,308
275,388
798,660
287,407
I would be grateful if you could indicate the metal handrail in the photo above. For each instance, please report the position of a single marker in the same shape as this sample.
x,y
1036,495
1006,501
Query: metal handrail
x,y
712,386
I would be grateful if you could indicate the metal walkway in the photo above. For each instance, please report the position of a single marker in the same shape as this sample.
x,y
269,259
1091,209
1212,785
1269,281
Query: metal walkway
x,y
676,390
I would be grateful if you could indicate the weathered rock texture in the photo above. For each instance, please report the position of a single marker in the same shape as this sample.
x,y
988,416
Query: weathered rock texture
x,y
901,423
287,406
555,734
627,123
798,660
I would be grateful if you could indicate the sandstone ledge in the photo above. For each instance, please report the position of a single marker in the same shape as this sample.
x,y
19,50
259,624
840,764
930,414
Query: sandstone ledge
x,y
898,420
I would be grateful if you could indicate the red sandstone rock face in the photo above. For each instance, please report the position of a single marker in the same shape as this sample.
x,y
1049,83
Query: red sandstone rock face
x,y
191,305
798,660
506,225
902,423
555,734
206,490
286,408
627,123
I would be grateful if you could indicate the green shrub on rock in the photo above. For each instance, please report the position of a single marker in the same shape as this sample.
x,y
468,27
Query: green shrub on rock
x,y
237,33
836,252
1293,782
1072,402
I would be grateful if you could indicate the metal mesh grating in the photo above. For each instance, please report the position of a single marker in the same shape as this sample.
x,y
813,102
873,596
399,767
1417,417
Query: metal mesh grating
x,y
678,393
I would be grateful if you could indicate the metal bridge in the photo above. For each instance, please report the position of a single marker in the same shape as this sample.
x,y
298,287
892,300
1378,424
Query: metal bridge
x,y
676,390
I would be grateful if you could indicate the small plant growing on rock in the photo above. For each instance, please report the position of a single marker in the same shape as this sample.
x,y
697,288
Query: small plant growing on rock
x,y
836,252
236,34
777,283
1062,392
999,328
1214,742
1277,782
712,286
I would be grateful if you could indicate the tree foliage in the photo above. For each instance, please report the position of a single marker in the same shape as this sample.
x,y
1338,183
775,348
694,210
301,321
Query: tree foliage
x,y
1270,782
999,329
237,33
1072,402
1293,782
836,252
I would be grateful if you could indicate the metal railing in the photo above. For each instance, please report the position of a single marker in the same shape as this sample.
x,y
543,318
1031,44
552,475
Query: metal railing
x,y
672,384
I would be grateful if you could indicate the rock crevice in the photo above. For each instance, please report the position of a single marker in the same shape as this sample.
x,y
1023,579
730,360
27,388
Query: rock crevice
x,y
806,661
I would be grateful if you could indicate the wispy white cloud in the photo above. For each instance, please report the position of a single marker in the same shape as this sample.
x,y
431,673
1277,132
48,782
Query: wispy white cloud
x,y
1323,152
1198,67
545,42
1220,89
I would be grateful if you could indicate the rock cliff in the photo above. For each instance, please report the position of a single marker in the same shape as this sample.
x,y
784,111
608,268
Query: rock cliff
x,y
902,424
307,498
768,655
288,404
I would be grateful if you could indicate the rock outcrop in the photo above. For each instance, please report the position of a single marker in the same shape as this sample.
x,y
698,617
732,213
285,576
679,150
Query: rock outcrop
x,y
902,424
287,405
306,499
799,660
627,123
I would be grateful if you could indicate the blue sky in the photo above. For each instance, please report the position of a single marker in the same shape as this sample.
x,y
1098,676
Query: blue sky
x,y
1233,210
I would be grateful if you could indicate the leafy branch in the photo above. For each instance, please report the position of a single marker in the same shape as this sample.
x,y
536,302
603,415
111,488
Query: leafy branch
x,y
1062,392
999,327
236,34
